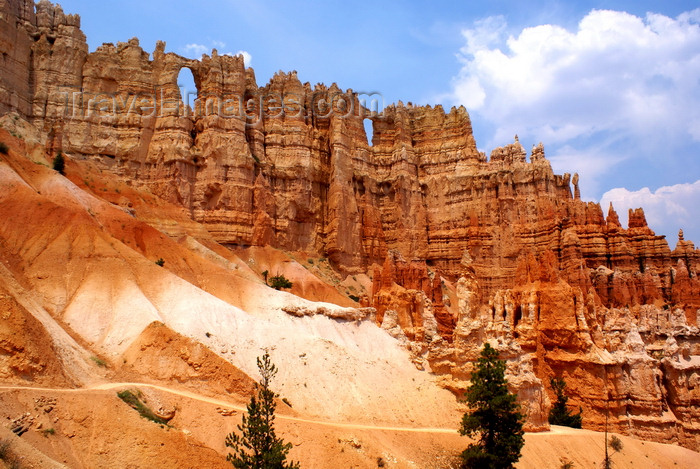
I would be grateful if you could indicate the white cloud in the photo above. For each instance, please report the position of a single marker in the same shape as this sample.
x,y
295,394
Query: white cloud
x,y
195,50
619,85
667,209
247,58
592,162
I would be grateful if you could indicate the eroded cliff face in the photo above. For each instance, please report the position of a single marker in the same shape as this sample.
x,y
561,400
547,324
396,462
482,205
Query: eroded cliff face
x,y
462,248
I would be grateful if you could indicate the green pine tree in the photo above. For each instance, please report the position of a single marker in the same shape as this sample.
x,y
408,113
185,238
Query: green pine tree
x,y
560,414
280,281
59,163
495,417
257,447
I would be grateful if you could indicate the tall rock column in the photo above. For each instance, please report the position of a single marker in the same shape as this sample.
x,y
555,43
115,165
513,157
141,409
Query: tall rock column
x,y
343,224
15,50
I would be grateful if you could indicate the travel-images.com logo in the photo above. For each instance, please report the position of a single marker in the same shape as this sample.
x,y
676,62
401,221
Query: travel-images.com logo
x,y
164,102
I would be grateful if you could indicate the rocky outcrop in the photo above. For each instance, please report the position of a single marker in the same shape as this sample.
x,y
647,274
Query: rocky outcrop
x,y
463,248
343,314
412,292
636,364
42,48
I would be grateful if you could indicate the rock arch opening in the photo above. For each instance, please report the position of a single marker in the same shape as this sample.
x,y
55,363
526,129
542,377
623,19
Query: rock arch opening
x,y
188,88
369,131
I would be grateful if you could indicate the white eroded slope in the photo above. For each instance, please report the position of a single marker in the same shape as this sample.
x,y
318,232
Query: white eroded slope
x,y
107,291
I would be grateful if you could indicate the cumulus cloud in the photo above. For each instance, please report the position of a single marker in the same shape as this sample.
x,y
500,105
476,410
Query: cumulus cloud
x,y
195,50
618,85
247,58
617,71
668,208
594,161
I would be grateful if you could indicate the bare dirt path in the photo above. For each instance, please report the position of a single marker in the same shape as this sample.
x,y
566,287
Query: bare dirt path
x,y
228,405
546,450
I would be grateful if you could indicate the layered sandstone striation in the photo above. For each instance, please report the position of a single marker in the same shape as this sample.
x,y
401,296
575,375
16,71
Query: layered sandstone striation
x,y
462,248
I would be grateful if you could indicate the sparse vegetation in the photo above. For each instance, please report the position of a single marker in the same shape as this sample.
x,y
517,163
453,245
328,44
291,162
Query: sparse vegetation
x,y
258,446
133,398
380,462
160,262
4,149
265,273
615,443
280,281
286,401
98,361
560,413
566,464
354,298
48,431
11,461
495,417
59,163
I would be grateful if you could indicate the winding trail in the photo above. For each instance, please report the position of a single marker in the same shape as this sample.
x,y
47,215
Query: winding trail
x,y
226,404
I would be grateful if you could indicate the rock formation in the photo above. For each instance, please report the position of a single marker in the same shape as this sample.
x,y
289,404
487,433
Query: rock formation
x,y
462,248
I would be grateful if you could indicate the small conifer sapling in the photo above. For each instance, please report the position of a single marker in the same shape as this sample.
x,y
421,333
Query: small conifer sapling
x,y
257,446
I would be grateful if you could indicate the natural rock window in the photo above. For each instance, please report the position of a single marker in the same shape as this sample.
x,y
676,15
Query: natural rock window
x,y
188,89
369,130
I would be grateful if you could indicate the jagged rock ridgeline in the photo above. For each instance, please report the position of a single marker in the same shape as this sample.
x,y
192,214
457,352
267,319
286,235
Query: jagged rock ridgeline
x,y
303,180
463,248
289,165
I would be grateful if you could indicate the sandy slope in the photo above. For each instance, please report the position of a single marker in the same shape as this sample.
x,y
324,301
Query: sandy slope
x,y
98,278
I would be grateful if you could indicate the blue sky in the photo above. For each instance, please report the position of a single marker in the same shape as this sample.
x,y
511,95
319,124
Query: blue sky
x,y
612,88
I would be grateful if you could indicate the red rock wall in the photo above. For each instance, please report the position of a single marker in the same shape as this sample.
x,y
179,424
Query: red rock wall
x,y
305,178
